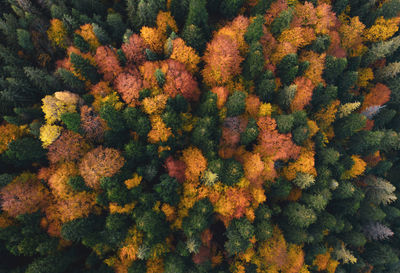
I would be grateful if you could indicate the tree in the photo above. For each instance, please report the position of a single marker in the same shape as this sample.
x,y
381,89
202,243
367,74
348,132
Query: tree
x,y
100,162
88,33
254,64
25,40
299,215
269,140
107,62
25,151
388,72
49,133
357,168
92,125
351,36
116,25
382,29
195,163
179,81
84,68
222,61
381,50
129,86
239,232
287,68
377,231
71,81
281,22
255,30
236,104
349,125
25,194
303,95
379,190
134,49
198,16
184,54
57,33
230,8
147,11
9,133
167,190
153,38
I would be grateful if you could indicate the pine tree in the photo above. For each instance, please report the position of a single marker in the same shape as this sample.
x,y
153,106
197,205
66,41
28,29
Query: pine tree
x,y
196,30
380,191
287,68
230,8
85,68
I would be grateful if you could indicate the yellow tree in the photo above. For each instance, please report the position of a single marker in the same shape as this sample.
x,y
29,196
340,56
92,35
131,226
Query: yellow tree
x,y
185,54
195,162
9,133
154,38
87,33
357,168
57,33
382,30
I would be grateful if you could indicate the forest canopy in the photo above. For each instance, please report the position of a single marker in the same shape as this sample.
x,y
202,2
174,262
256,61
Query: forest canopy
x,y
195,136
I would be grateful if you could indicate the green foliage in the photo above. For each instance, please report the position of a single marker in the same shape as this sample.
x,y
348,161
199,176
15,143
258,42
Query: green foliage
x,y
231,172
321,44
254,64
236,104
284,123
174,264
333,68
265,87
137,121
167,189
80,43
196,30
239,232
349,125
199,218
287,68
299,215
116,25
230,8
251,132
72,121
255,30
281,22
85,68
77,183
73,83
113,117
24,39
147,11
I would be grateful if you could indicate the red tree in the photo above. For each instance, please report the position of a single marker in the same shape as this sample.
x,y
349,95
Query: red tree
x,y
92,124
107,62
222,60
134,49
274,144
378,95
100,162
129,86
68,147
179,81
176,168
303,94
25,194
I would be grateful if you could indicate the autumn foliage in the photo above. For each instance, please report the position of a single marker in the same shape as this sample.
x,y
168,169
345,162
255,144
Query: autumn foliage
x,y
176,136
